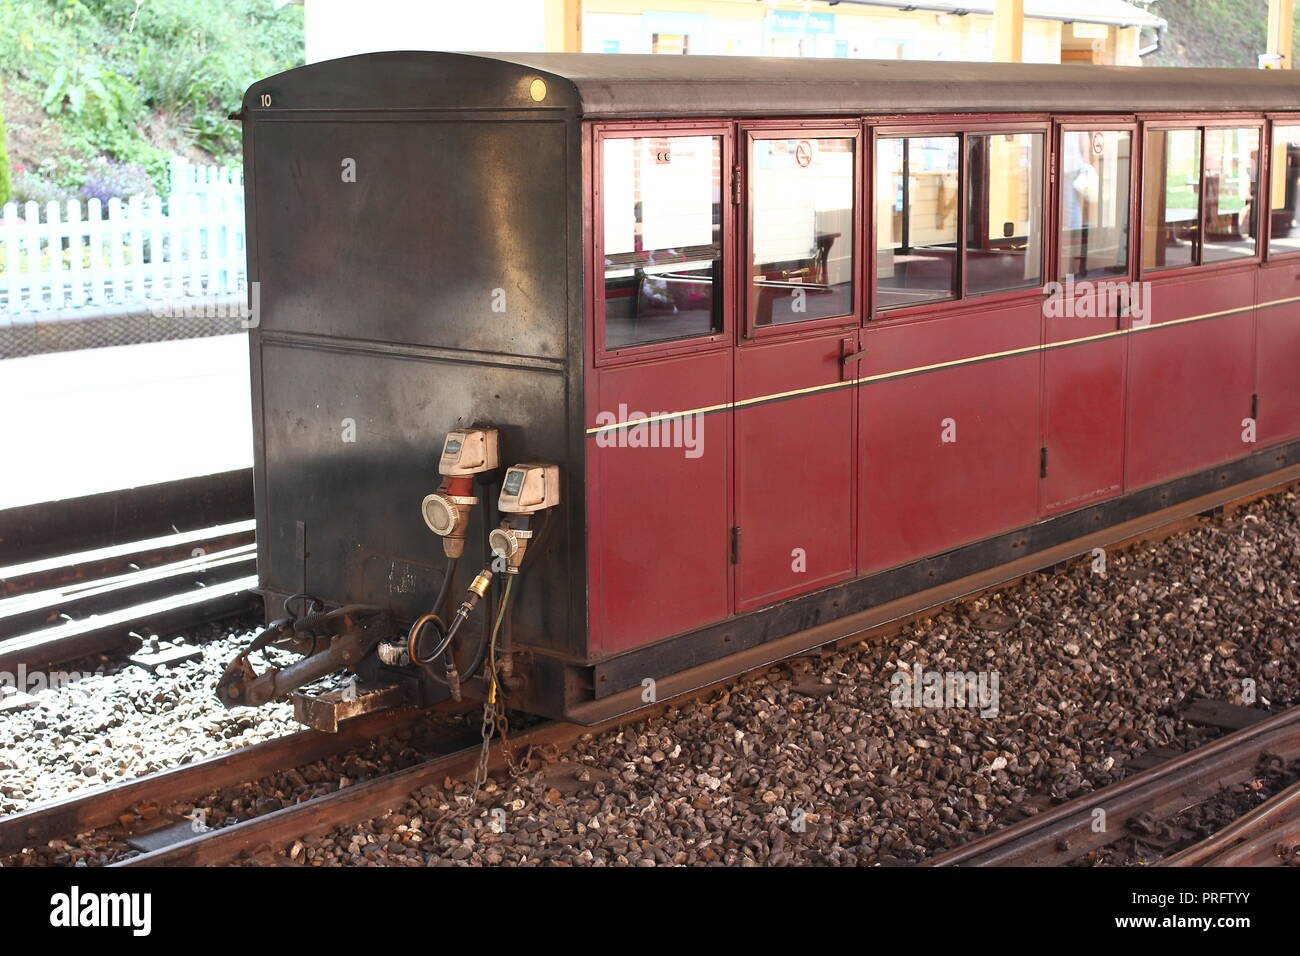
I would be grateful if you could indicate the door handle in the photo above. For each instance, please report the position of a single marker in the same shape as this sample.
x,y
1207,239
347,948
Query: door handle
x,y
850,358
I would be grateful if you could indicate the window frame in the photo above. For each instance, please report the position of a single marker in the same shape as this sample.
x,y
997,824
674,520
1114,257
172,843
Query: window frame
x,y
725,283
1156,123
751,133
1047,219
877,135
895,126
1100,125
1273,120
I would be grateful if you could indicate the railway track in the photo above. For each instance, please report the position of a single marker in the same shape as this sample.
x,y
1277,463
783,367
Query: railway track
x,y
1267,836
1052,839
1074,829
59,609
106,808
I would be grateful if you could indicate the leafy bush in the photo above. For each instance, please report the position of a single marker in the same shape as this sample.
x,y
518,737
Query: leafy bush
x,y
93,94
123,79
29,186
6,188
217,136
106,178
175,79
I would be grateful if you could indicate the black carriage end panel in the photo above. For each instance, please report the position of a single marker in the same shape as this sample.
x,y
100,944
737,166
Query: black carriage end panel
x,y
412,219
445,238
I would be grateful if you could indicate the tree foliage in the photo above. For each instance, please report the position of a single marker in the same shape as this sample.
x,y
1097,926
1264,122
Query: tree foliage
x,y
119,76
6,185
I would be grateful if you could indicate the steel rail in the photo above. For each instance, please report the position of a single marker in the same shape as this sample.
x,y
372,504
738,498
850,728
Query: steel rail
x,y
36,532
1066,832
104,806
347,806
1270,848
100,563
363,801
84,599
111,631
58,609
1243,839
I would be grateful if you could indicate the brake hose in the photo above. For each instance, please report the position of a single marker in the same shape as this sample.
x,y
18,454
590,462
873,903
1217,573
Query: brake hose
x,y
489,645
446,585
413,637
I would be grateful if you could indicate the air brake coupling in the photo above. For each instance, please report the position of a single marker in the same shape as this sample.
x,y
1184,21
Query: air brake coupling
x,y
510,541
527,489
447,512
466,454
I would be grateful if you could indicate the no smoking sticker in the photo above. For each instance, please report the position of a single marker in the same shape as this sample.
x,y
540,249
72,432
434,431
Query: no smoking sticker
x,y
1098,144
803,153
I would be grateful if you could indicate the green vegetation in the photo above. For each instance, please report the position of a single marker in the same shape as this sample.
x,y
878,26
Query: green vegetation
x,y
1229,33
112,88
6,186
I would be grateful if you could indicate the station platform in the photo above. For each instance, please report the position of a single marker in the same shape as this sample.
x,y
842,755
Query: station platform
x,y
99,420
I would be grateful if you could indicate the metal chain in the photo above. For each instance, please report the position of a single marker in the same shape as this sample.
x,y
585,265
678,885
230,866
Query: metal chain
x,y
495,719
489,725
517,768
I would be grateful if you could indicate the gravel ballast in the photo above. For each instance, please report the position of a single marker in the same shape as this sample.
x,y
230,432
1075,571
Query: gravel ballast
x,y
118,721
807,762
811,762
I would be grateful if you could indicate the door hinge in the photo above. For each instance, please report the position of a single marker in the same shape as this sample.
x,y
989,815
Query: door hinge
x,y
735,545
736,184
1254,407
1042,462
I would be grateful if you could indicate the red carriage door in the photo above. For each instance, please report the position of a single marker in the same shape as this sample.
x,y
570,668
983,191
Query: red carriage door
x,y
658,436
1085,319
795,366
1277,328
1192,362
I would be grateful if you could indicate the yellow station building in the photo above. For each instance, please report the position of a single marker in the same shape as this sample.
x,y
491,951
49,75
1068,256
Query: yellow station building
x,y
1055,31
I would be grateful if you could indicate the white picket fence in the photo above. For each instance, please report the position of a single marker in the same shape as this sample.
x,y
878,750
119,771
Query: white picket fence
x,y
188,178
140,251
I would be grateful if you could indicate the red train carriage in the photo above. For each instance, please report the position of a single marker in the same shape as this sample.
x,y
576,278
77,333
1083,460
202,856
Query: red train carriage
x,y
787,348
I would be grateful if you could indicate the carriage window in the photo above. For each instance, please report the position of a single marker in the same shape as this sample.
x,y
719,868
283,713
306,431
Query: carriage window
x,y
1231,174
802,222
1095,190
1004,235
1171,215
917,180
662,204
1284,187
